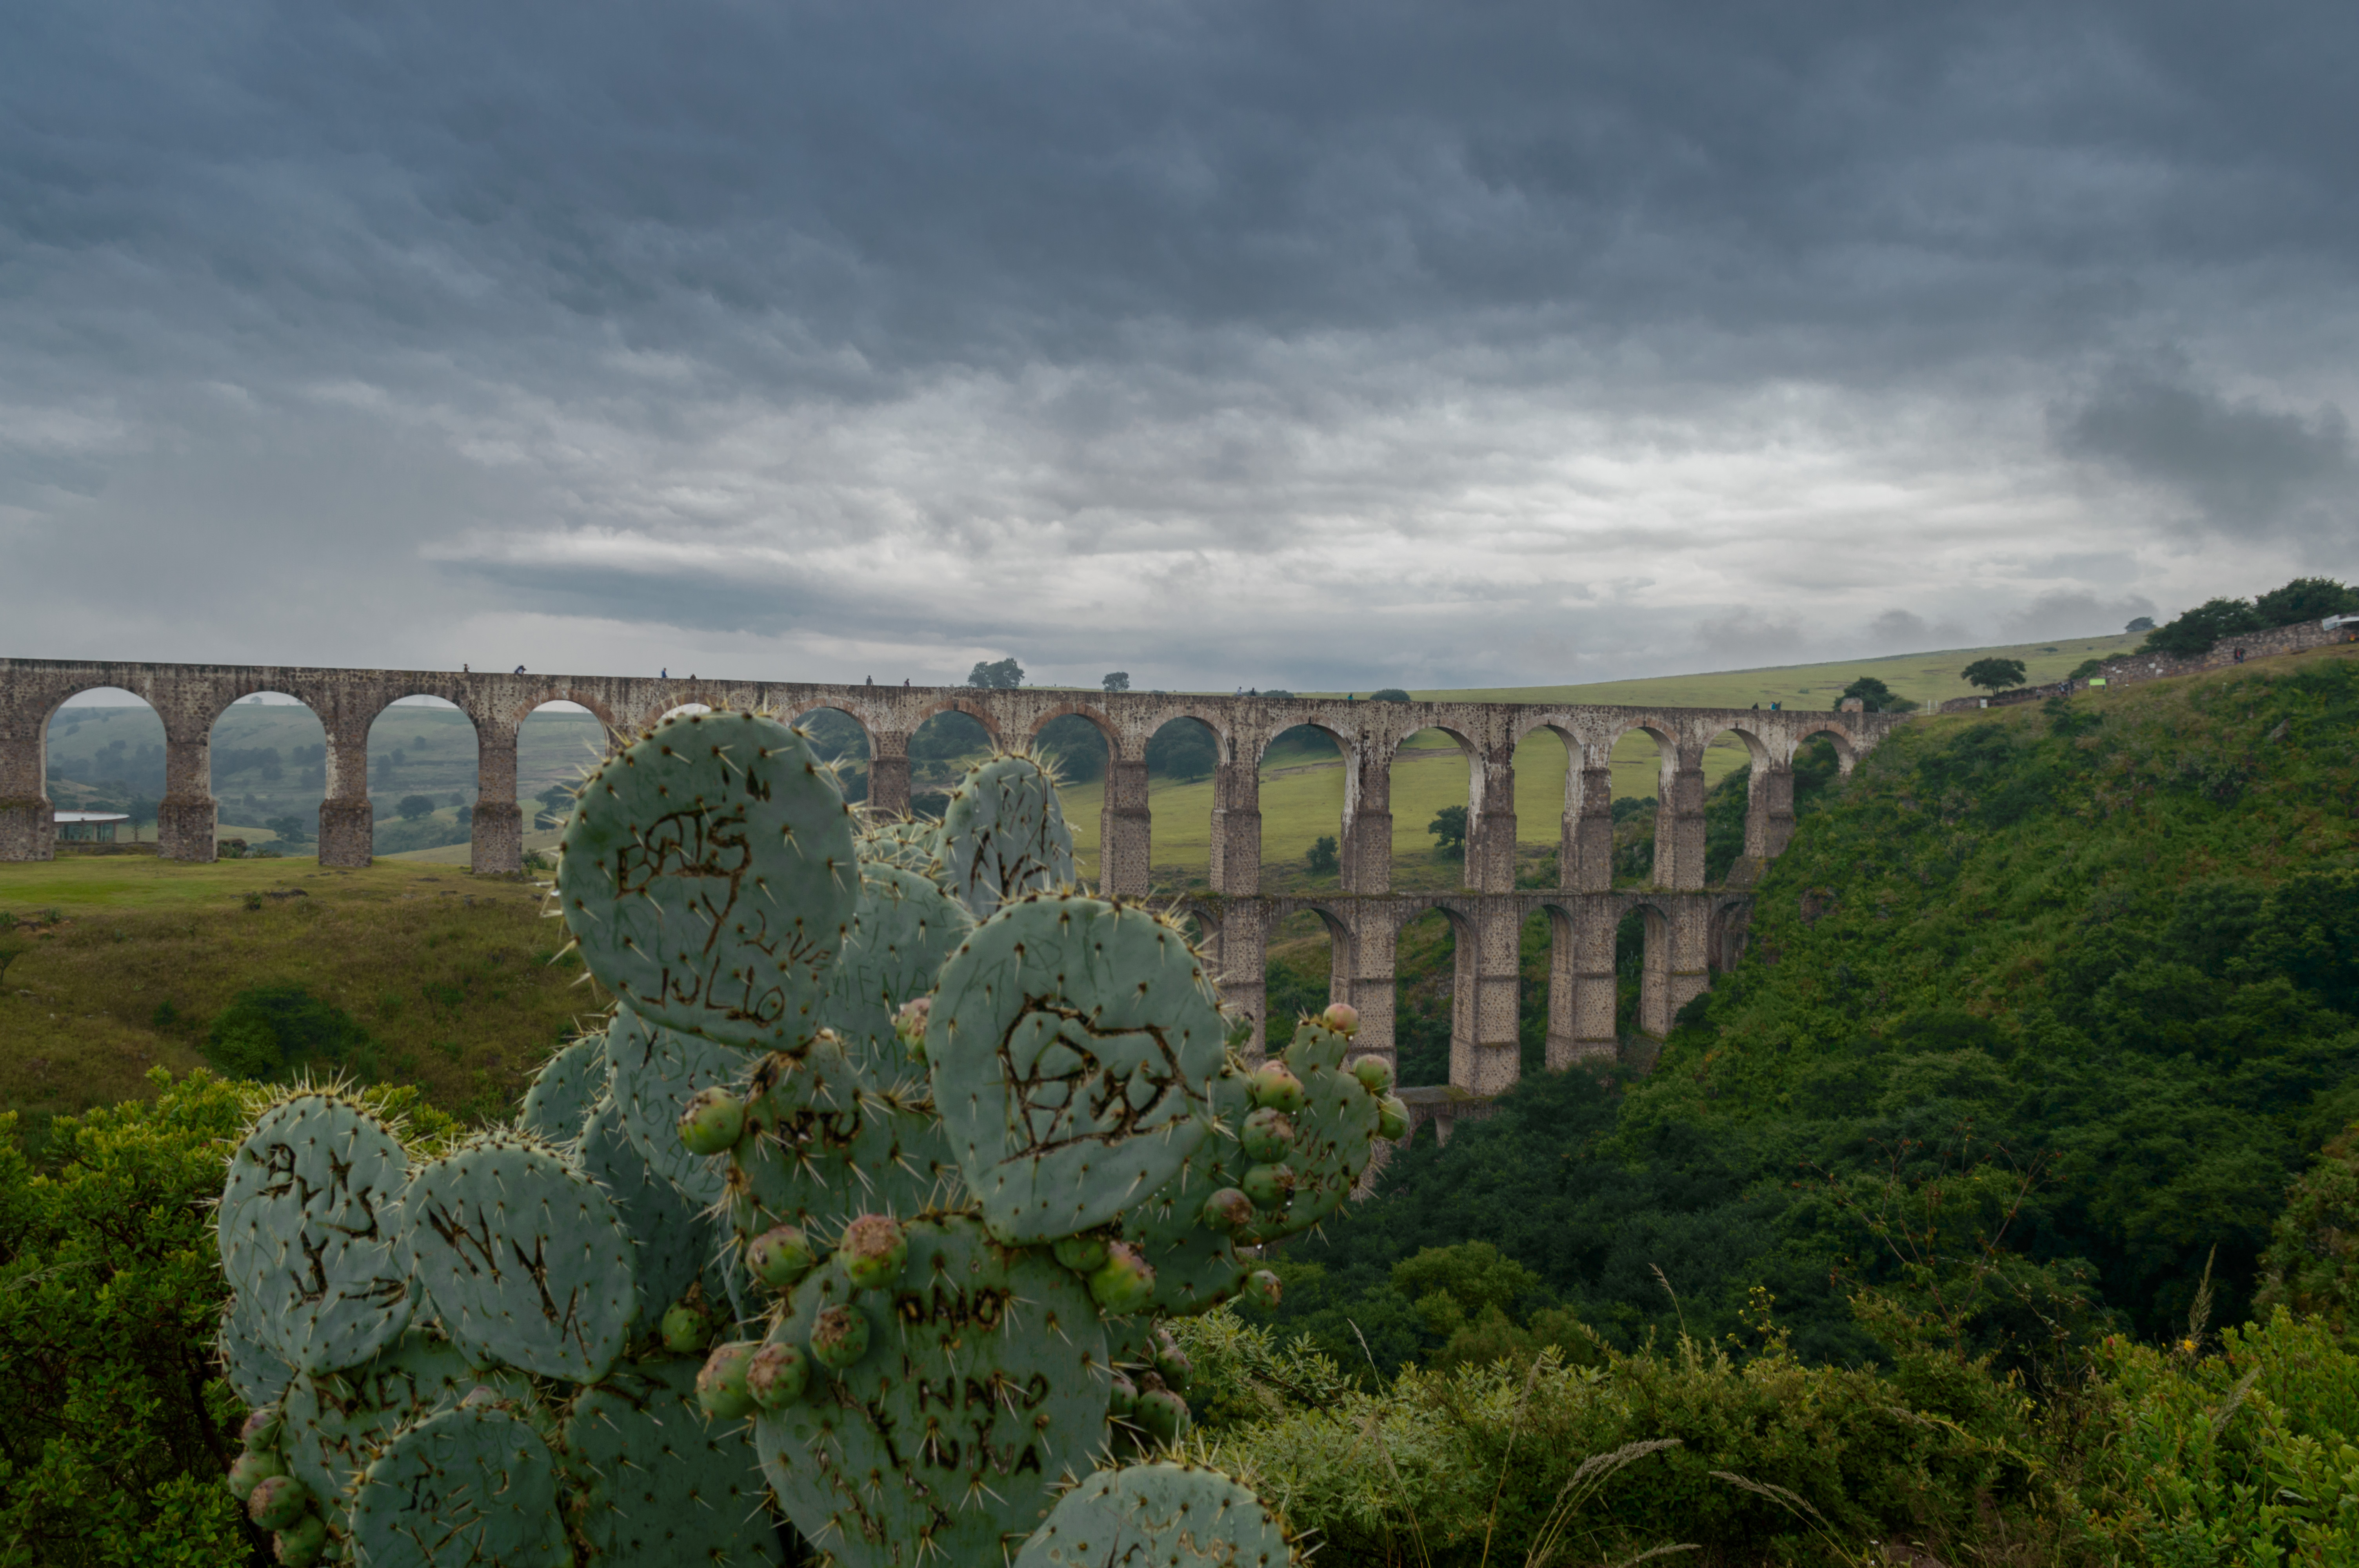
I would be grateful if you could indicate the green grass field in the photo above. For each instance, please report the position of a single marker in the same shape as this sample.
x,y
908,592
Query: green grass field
x,y
120,963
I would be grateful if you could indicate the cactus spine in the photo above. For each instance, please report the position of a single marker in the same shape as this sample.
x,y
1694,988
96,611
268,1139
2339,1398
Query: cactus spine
x,y
863,1205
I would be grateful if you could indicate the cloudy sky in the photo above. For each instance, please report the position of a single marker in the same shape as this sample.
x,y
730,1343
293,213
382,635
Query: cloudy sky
x,y
1275,343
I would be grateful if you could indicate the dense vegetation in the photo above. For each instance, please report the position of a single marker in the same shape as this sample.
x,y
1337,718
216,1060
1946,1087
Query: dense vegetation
x,y
2080,979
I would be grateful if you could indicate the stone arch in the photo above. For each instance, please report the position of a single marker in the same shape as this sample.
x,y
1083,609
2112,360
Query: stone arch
x,y
1847,747
391,782
311,764
974,707
155,747
848,753
1300,773
1724,938
1106,727
1415,1050
1654,965
1422,786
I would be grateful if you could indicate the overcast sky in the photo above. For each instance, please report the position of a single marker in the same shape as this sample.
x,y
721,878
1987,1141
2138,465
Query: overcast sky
x,y
1313,345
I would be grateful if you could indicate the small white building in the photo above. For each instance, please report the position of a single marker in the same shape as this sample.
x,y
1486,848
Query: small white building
x,y
89,827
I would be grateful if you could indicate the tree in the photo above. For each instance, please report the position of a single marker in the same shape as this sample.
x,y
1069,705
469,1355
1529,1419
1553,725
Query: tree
x,y
1993,675
1323,860
1183,750
1449,829
2140,623
1003,674
1390,694
289,827
2200,629
1118,680
2306,599
414,806
1877,697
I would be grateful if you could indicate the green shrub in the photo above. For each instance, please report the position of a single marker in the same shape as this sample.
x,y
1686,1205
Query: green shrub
x,y
115,1425
269,1029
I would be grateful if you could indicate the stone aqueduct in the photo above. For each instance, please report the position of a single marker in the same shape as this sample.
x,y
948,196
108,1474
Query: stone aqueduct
x,y
1691,930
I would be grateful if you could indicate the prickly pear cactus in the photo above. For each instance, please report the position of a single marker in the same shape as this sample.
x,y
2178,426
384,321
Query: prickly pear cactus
x,y
563,1092
1003,835
1073,1043
305,1230
526,1258
657,1484
854,1200
939,1401
474,1486
708,874
1158,1516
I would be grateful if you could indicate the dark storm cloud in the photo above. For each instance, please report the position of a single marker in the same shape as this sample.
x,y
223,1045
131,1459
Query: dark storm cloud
x,y
1485,330
2251,469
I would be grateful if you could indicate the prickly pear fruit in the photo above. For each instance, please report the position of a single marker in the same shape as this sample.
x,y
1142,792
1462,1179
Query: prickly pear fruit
x,y
910,1024
839,1337
1274,1086
1342,1017
1262,1288
1376,1075
688,1324
300,1543
276,1501
1392,1118
724,1387
1081,1254
1124,1399
1122,1284
1160,1414
1268,1185
873,1252
250,1469
777,1376
1266,1135
261,1429
778,1257
1227,1209
713,1121
1171,1364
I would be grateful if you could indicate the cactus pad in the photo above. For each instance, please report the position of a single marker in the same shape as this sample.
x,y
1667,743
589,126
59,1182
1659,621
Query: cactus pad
x,y
1073,1043
332,1423
248,1358
657,1072
905,926
825,1147
987,1380
1158,1516
1003,835
911,843
562,1093
472,1487
709,876
657,1485
670,1244
305,1230
524,1258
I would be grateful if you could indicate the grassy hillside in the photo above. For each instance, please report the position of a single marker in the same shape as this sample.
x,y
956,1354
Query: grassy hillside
x,y
2044,1008
123,964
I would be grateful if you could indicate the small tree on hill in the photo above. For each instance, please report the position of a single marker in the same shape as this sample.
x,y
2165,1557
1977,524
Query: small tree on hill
x,y
2140,623
414,806
1993,675
998,674
1323,858
1390,694
1117,680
